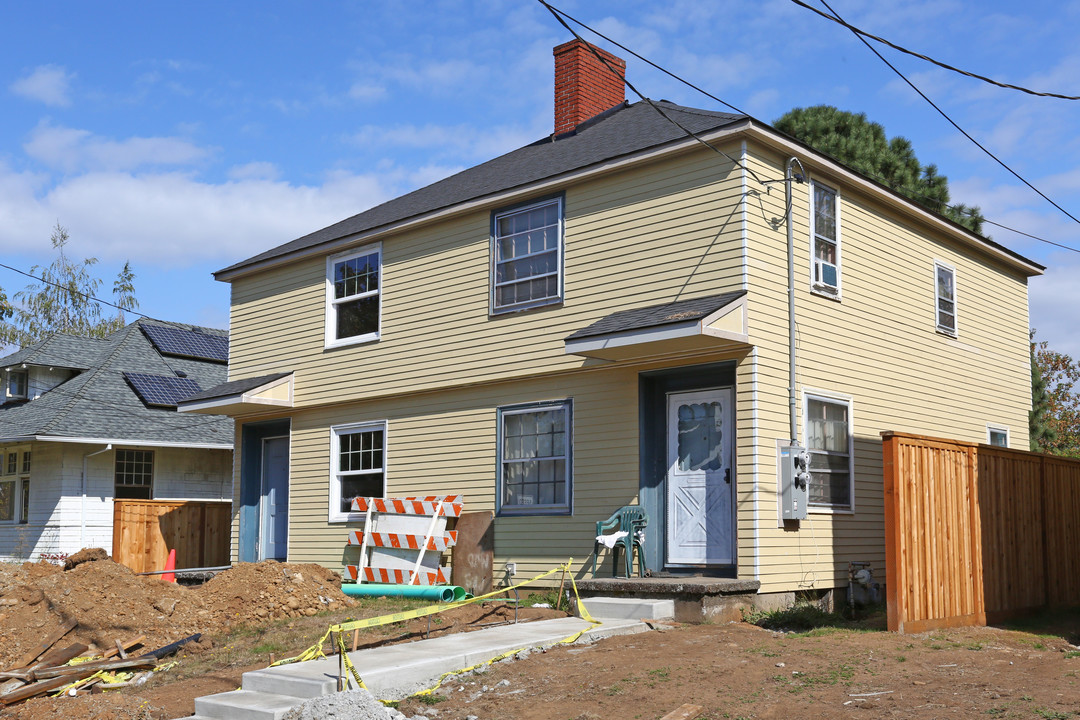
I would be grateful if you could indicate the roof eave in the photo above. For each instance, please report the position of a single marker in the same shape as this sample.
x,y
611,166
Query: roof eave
x,y
506,197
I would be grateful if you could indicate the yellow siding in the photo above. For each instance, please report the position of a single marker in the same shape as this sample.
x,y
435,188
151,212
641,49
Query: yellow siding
x,y
672,230
656,234
879,345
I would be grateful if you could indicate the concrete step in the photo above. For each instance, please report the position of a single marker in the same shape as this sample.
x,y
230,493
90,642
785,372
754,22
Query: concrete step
x,y
629,608
297,684
245,705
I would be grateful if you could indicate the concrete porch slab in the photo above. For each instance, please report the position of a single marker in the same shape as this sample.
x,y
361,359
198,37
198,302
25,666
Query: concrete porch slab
x,y
696,599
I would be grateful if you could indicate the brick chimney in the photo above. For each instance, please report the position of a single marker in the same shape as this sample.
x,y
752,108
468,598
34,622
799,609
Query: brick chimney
x,y
584,86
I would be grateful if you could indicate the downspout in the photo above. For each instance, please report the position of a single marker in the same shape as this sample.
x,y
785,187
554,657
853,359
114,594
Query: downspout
x,y
798,177
82,508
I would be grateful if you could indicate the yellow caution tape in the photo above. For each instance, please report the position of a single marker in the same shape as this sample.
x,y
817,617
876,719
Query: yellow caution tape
x,y
315,651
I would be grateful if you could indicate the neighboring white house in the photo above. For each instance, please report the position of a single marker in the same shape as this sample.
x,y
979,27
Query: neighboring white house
x,y
86,420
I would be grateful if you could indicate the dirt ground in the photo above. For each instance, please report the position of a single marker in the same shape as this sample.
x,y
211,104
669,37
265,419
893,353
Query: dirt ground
x,y
743,671
253,612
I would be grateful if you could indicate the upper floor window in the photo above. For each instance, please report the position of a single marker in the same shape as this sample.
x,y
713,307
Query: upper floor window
x,y
825,236
134,476
945,291
527,256
997,435
353,284
358,466
829,440
534,465
16,385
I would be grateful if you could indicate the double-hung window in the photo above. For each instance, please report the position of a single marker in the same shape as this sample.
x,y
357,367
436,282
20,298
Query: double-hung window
x,y
945,297
829,440
527,256
358,466
535,469
353,290
825,237
14,487
134,474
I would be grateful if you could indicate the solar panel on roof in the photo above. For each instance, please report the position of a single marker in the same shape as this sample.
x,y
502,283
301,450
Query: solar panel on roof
x,y
161,390
188,343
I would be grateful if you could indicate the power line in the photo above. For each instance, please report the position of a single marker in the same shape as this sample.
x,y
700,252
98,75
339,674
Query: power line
x,y
953,122
557,12
651,104
931,60
68,289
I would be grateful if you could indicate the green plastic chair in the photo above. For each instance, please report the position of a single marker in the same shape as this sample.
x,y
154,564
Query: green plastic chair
x,y
633,519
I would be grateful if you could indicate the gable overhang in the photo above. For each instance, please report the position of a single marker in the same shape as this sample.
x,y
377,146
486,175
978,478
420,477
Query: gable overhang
x,y
723,328
277,393
890,198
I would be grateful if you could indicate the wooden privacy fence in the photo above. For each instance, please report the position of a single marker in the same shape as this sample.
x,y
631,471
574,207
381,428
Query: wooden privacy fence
x,y
975,533
144,531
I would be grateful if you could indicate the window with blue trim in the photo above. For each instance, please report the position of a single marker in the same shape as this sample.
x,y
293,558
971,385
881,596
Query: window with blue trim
x,y
535,473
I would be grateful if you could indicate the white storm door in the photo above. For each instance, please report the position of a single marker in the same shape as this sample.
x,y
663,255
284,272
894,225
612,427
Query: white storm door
x,y
700,435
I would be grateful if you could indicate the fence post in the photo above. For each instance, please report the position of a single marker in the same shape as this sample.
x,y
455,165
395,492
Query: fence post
x,y
975,521
894,596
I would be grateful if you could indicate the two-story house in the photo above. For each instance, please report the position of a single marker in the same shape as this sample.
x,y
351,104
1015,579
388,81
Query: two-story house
x,y
85,421
601,318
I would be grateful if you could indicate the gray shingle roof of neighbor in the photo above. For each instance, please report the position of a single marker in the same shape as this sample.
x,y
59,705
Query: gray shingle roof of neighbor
x,y
235,387
624,130
670,313
61,351
99,403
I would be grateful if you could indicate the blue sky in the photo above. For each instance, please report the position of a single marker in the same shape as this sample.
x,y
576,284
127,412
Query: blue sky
x,y
186,136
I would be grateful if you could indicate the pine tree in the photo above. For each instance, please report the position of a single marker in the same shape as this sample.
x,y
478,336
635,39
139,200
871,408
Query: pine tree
x,y
863,146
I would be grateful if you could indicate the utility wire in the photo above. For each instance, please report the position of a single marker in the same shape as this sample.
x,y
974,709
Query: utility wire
x,y
557,12
651,104
894,46
953,122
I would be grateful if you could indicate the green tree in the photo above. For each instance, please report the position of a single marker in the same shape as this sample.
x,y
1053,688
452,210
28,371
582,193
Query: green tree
x,y
63,301
1040,434
1059,397
863,146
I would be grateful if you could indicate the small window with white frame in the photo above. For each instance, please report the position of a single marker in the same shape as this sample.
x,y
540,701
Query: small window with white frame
x,y
825,240
16,385
830,442
353,296
14,486
527,256
358,466
997,435
535,468
945,297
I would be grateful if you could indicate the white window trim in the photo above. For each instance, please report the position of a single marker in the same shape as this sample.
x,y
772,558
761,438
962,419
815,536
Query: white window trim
x,y
330,339
19,478
567,407
153,469
816,288
336,431
493,308
991,427
955,331
833,397
8,395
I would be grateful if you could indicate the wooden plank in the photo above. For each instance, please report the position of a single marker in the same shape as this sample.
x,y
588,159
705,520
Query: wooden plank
x,y
33,689
74,672
127,645
47,643
683,712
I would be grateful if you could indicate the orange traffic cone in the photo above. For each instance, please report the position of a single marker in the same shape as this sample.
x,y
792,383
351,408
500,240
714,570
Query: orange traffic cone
x,y
170,564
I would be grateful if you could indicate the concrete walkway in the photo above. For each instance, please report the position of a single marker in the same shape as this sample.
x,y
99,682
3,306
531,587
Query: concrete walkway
x,y
395,671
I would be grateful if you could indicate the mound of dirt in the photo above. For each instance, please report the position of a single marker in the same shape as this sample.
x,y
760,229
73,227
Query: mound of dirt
x,y
110,602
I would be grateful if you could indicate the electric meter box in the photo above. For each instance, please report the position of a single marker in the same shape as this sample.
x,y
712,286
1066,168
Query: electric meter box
x,y
794,482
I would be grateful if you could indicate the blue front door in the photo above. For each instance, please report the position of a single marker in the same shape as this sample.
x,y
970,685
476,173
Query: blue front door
x,y
274,499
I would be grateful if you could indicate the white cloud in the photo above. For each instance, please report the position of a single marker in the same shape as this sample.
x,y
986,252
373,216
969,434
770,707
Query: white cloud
x,y
255,171
1054,298
367,92
71,149
49,84
457,141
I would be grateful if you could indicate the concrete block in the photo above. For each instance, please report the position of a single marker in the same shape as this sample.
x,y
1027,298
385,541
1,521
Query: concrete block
x,y
630,608
245,705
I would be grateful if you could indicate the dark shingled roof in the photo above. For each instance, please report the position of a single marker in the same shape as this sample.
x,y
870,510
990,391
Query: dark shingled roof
x,y
99,403
671,313
623,130
60,351
235,387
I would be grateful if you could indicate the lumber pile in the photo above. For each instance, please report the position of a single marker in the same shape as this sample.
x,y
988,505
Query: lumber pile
x,y
58,668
